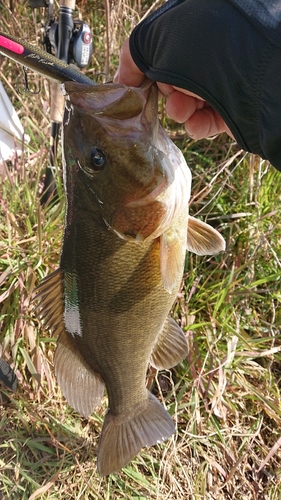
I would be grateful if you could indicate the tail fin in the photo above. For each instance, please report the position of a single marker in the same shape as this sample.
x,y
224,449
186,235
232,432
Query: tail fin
x,y
123,436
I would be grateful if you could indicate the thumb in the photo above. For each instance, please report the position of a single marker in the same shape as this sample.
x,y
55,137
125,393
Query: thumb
x,y
128,72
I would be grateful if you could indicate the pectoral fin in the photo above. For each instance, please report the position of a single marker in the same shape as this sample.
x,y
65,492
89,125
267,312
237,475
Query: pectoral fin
x,y
203,239
80,385
171,347
172,254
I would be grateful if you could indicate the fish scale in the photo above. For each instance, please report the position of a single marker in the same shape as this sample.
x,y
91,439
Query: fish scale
x,y
127,229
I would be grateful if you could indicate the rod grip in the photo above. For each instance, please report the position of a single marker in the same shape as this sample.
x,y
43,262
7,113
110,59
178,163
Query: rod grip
x,y
68,3
57,103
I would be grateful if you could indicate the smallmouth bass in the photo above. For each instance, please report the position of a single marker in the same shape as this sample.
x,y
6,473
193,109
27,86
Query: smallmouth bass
x,y
127,230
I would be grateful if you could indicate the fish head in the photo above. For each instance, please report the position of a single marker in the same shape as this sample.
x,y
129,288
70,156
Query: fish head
x,y
121,161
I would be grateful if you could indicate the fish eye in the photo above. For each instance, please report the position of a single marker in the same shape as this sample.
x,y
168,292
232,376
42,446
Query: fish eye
x,y
93,160
97,159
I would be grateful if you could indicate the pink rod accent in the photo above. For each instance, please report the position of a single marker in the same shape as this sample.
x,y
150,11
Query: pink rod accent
x,y
15,47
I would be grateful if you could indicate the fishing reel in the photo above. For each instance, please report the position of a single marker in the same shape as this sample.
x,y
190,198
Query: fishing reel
x,y
69,40
80,42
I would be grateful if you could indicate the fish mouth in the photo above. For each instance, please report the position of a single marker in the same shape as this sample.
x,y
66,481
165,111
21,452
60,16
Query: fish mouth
x,y
149,198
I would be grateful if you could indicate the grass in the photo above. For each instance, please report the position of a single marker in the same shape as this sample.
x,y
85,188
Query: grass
x,y
225,398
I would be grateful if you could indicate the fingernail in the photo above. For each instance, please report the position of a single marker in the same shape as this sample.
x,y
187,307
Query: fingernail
x,y
188,131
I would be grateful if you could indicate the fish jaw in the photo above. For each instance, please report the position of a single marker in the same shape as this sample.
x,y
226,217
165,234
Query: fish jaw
x,y
146,182
152,215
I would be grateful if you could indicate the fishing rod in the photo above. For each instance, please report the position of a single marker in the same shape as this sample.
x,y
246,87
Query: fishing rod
x,y
71,41
36,59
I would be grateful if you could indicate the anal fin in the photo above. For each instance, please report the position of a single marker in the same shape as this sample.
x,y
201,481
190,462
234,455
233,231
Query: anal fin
x,y
123,436
80,385
171,347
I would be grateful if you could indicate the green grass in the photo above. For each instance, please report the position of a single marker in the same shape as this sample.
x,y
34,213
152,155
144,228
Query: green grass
x,y
225,398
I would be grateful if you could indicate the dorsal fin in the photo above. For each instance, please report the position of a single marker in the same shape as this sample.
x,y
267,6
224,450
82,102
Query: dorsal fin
x,y
50,307
80,385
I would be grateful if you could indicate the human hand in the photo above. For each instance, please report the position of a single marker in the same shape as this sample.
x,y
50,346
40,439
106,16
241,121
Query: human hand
x,y
199,118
